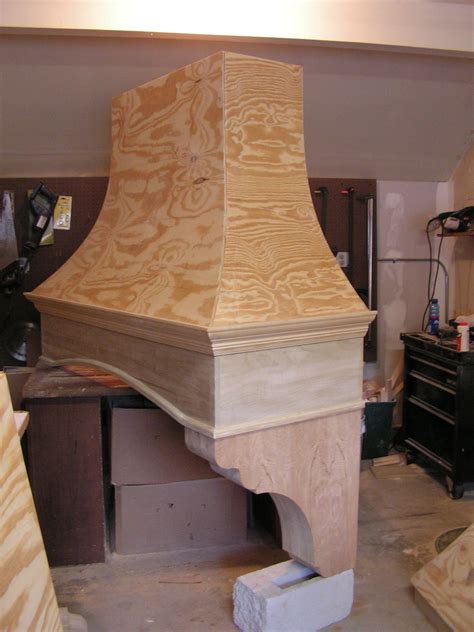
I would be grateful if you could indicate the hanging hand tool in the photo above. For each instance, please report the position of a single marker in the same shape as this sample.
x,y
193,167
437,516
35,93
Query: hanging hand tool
x,y
323,193
42,202
349,192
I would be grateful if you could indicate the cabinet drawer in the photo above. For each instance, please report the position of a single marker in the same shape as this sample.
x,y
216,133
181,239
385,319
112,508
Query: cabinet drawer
x,y
430,431
440,397
443,375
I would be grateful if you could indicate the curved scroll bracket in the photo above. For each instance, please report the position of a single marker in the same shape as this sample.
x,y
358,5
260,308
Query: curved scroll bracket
x,y
311,469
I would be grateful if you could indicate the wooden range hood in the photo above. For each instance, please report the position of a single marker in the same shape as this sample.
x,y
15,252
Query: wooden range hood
x,y
208,286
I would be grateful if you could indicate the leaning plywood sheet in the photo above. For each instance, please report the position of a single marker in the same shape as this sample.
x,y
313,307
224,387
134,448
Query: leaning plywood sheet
x,y
27,599
447,583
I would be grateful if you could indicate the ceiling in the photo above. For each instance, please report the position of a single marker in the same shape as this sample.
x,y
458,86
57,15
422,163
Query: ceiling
x,y
368,113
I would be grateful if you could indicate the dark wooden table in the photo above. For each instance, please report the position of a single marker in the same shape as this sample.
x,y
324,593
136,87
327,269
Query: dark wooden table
x,y
68,455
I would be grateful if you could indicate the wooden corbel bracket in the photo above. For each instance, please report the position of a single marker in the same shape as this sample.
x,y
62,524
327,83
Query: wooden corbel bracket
x,y
311,469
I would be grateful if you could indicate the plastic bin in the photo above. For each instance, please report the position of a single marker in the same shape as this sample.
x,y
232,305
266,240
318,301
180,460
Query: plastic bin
x,y
378,429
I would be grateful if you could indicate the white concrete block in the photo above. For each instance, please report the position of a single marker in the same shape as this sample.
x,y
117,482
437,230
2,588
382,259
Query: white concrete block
x,y
290,597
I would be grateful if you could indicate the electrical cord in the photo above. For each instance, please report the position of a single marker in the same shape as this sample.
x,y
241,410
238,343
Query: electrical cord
x,y
7,313
432,290
438,263
427,230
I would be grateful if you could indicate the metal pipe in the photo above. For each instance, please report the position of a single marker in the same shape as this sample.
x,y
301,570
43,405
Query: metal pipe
x,y
427,260
349,192
323,192
368,200
370,246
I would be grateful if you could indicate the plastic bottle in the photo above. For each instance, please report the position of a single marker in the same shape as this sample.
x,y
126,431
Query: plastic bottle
x,y
463,336
434,316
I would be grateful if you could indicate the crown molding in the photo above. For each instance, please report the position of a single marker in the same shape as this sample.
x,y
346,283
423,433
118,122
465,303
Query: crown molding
x,y
213,341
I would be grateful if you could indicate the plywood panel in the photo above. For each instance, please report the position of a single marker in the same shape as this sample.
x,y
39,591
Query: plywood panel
x,y
27,599
178,380
272,386
277,264
156,247
208,220
446,583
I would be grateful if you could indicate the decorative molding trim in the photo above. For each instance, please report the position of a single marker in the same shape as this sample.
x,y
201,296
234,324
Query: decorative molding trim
x,y
274,422
201,425
244,338
214,341
166,332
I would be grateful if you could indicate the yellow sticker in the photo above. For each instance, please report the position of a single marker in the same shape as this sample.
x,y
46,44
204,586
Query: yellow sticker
x,y
62,213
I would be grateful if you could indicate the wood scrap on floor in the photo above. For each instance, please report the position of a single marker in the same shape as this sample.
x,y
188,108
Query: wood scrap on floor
x,y
374,391
446,585
398,471
187,578
392,459
72,622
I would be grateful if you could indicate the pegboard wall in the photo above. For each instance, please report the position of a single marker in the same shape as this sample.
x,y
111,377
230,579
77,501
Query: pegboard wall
x,y
87,198
343,219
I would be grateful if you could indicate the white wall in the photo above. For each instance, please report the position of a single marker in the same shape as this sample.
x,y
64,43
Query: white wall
x,y
403,209
433,26
368,114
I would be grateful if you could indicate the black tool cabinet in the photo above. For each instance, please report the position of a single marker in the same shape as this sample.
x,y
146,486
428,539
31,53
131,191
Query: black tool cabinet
x,y
438,407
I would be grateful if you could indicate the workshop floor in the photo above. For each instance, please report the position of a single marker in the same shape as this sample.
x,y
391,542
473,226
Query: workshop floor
x,y
401,516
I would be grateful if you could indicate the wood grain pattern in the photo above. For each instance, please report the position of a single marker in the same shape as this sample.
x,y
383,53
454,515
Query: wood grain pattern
x,y
27,599
156,247
274,386
208,219
178,380
277,264
447,583
225,395
206,275
312,471
21,422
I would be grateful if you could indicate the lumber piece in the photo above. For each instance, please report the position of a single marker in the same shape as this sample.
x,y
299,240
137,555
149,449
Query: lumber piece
x,y
27,598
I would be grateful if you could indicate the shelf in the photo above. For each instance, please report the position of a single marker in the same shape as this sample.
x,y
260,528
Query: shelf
x,y
453,233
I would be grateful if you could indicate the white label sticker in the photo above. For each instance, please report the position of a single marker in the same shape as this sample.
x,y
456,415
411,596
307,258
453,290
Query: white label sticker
x,y
62,213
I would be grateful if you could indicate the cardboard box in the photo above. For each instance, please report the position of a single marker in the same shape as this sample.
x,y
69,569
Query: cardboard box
x,y
148,448
174,516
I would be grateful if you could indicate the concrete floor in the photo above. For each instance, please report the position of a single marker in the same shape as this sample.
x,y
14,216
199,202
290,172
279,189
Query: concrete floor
x,y
400,518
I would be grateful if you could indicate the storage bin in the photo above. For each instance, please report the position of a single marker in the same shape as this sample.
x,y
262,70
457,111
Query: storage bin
x,y
378,429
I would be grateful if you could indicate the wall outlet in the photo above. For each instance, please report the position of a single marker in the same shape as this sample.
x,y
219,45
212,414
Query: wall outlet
x,y
343,259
